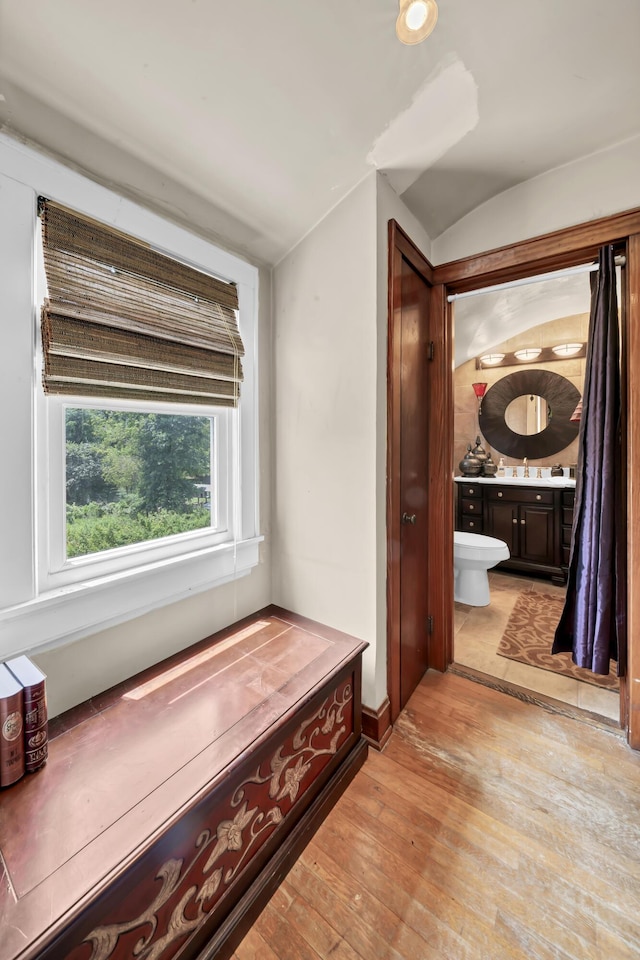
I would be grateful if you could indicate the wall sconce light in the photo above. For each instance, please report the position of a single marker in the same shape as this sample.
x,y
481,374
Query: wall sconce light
x,y
416,20
490,359
479,389
567,349
530,353
577,413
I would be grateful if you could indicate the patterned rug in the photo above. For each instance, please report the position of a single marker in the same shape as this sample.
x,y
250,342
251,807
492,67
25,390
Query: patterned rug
x,y
529,634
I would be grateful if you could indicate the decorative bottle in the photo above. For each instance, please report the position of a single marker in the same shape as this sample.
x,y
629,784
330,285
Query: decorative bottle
x,y
489,469
470,466
479,452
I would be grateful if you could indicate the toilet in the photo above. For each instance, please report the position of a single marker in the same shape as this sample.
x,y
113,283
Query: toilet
x,y
473,555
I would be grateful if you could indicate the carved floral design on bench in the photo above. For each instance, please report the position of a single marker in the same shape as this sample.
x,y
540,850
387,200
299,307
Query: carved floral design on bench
x,y
188,893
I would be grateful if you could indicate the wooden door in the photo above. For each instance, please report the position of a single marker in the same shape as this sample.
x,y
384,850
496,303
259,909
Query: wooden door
x,y
419,453
414,519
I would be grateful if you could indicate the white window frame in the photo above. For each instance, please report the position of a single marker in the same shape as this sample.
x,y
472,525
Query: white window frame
x,y
37,608
54,568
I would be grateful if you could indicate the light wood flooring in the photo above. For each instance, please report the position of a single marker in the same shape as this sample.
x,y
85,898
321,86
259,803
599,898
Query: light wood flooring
x,y
477,632
488,829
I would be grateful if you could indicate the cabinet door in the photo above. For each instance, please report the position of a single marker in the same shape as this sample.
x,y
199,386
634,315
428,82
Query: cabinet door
x,y
501,521
536,534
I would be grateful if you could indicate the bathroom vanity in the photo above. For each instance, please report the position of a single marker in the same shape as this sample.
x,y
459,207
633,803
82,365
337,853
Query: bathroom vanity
x,y
533,517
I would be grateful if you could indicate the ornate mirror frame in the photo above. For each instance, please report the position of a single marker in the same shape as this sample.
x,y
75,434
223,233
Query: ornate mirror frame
x,y
562,398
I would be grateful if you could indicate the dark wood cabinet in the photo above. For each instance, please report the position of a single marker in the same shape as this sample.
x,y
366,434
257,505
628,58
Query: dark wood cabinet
x,y
502,522
536,534
534,522
470,507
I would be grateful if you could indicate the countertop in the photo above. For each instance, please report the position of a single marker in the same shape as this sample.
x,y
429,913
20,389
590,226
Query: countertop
x,y
559,482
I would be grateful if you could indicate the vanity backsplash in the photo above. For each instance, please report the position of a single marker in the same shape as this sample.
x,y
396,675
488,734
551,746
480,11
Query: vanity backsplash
x,y
477,462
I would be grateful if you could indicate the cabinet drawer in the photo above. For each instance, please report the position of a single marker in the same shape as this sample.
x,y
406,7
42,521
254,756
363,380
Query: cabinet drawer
x,y
566,536
568,497
470,490
518,495
566,551
471,506
471,525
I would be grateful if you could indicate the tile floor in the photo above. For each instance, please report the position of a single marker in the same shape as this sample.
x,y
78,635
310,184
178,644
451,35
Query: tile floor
x,y
477,632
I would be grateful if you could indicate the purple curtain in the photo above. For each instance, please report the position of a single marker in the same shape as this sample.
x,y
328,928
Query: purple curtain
x,y
591,623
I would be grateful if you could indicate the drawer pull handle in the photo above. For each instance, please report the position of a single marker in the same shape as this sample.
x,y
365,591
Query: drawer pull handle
x,y
523,522
514,520
409,518
499,493
471,523
471,491
538,496
472,506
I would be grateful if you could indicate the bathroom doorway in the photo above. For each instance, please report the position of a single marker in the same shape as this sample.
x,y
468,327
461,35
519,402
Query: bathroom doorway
x,y
529,335
565,248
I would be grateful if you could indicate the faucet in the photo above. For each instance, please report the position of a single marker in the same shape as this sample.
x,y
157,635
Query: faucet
x,y
526,467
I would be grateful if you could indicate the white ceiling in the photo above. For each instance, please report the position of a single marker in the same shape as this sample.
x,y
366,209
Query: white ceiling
x,y
261,115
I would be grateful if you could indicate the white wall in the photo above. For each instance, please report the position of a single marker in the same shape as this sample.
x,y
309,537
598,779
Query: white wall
x,y
325,424
391,207
330,309
601,184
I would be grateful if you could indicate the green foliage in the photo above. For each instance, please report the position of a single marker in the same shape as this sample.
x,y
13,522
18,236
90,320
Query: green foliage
x,y
174,451
118,434
92,528
132,477
85,476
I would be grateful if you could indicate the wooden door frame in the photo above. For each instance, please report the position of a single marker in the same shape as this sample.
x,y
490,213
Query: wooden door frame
x,y
440,500
552,251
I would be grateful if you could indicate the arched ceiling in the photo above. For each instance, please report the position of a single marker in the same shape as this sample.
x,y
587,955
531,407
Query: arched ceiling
x,y
483,321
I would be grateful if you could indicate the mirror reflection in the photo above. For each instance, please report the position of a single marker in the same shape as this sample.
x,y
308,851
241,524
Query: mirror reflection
x,y
527,415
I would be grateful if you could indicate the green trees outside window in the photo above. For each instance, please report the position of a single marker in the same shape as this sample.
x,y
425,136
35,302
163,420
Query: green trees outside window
x,y
132,477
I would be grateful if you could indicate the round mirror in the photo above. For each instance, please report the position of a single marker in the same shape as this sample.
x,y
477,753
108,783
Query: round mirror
x,y
556,430
527,415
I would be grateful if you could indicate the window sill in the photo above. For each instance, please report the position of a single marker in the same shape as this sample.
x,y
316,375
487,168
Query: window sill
x,y
70,613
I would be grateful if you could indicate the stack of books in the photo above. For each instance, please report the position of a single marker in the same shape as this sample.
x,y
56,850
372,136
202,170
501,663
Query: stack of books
x,y
24,730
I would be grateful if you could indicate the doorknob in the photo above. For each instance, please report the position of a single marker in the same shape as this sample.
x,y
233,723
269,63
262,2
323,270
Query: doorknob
x,y
409,518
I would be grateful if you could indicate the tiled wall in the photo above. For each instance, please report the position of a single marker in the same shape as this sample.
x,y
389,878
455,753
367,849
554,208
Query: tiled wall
x,y
565,330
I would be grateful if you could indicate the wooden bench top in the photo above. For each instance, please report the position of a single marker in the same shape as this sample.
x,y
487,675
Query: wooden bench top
x,y
124,765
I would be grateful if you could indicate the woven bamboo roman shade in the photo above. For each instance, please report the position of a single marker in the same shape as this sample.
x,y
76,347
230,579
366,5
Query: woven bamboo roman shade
x,y
123,321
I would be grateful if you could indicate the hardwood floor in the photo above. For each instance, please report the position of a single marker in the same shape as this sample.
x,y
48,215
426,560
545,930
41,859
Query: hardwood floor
x,y
488,828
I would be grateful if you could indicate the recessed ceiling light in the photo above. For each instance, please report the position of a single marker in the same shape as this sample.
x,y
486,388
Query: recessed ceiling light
x,y
530,353
567,349
490,359
416,20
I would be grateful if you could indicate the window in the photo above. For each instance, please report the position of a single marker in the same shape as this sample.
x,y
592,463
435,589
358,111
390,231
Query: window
x,y
114,506
128,487
135,477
